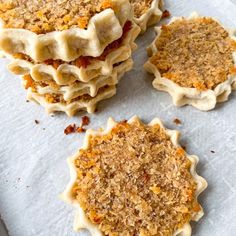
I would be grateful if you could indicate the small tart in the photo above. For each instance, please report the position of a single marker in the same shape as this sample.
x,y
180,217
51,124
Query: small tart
x,y
147,12
83,68
193,59
77,89
134,179
55,103
77,97
58,29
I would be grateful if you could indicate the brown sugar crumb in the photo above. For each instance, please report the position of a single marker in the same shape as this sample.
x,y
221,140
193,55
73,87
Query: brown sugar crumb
x,y
28,82
165,14
140,7
70,129
134,181
177,121
46,16
195,53
85,121
80,130
73,128
36,122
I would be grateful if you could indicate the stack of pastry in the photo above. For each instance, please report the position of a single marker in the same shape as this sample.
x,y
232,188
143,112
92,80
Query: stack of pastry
x,y
70,54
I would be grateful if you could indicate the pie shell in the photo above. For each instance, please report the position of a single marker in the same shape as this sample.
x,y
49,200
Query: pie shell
x,y
90,105
66,74
70,109
82,222
91,88
67,45
152,16
202,100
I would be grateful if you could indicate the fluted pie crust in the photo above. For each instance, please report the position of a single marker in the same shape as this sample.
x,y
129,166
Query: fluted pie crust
x,y
203,97
67,45
78,96
66,74
87,157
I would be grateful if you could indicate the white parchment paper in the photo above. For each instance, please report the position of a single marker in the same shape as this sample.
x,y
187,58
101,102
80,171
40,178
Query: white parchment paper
x,y
33,170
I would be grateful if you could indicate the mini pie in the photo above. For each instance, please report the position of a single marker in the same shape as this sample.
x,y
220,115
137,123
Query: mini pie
x,y
193,59
79,88
147,12
78,96
134,179
62,30
70,54
83,68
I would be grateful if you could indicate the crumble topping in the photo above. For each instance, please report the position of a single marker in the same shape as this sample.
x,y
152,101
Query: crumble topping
x,y
42,16
73,128
134,181
195,53
140,7
165,14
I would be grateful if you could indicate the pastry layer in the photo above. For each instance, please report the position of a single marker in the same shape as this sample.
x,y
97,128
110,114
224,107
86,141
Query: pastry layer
x,y
194,60
82,69
102,29
147,13
134,179
79,88
54,103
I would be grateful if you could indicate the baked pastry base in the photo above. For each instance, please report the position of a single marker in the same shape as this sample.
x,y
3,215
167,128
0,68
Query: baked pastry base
x,y
67,74
67,45
82,222
202,100
99,90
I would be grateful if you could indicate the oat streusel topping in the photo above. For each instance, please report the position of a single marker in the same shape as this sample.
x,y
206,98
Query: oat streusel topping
x,y
141,6
42,16
134,181
195,53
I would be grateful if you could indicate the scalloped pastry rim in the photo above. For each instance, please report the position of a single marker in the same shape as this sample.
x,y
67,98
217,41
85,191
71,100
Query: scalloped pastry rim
x,y
91,88
74,107
42,47
81,221
66,74
202,100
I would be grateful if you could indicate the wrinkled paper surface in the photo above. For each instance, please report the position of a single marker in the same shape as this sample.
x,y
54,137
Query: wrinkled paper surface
x,y
33,169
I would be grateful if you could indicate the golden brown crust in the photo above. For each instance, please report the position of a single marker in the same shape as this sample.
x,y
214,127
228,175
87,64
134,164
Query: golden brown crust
x,y
46,16
195,53
147,190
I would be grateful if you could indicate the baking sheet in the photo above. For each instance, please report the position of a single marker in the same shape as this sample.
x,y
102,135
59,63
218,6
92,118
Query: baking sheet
x,y
33,170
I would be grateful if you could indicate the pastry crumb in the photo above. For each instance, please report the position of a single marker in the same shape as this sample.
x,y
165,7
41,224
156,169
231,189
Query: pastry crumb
x,y
165,14
70,129
177,121
85,121
36,122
